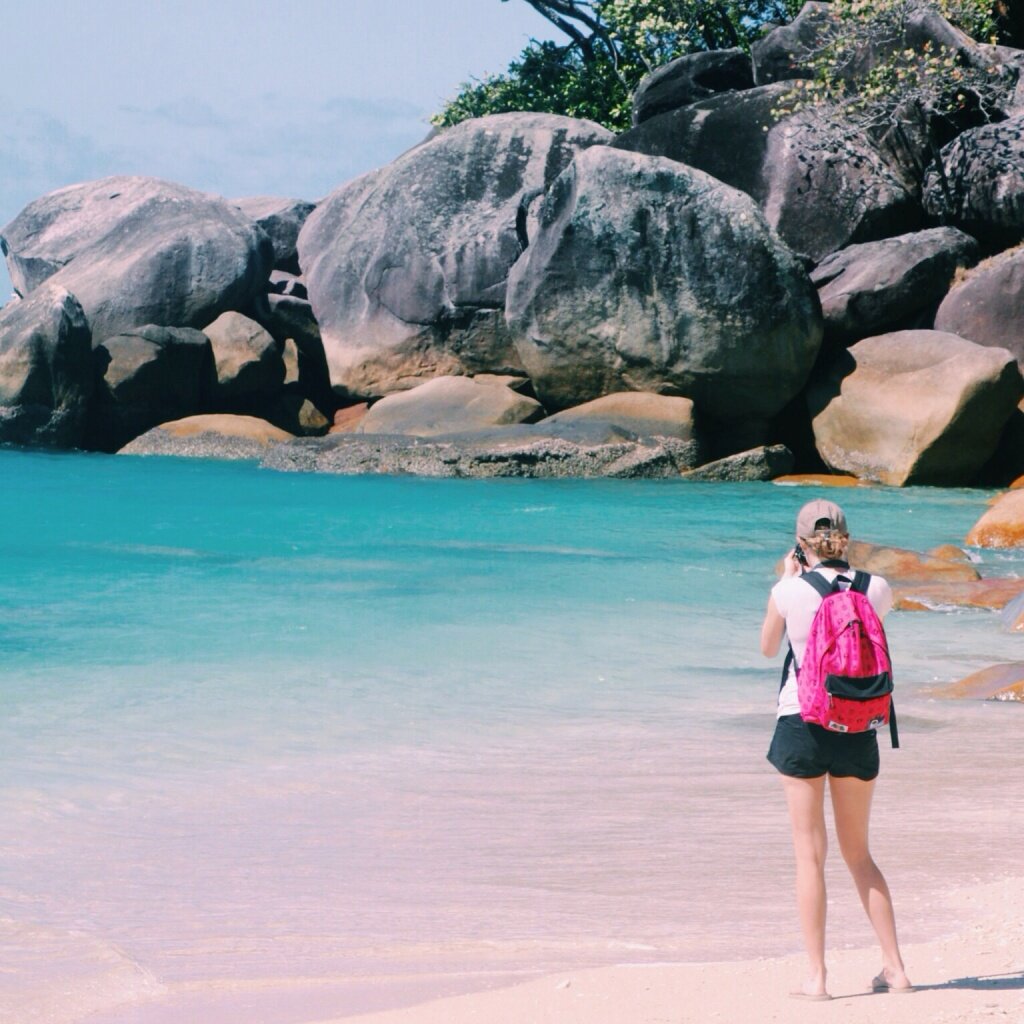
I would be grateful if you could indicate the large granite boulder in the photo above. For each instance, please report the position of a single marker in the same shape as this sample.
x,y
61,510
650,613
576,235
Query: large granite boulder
x,y
46,369
677,285
819,195
986,305
150,375
914,407
638,412
136,251
787,52
406,267
282,220
687,79
873,287
447,405
248,359
984,182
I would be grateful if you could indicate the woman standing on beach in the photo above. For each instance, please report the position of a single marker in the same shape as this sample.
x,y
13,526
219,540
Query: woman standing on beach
x,y
807,755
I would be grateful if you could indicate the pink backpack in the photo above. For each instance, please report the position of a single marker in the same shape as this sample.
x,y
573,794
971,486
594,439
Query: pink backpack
x,y
845,681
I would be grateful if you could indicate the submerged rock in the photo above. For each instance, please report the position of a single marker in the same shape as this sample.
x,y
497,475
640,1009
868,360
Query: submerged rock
x,y
993,593
820,480
516,451
997,682
900,565
677,285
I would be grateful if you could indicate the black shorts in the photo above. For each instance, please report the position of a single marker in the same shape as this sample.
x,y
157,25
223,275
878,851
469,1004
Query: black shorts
x,y
805,751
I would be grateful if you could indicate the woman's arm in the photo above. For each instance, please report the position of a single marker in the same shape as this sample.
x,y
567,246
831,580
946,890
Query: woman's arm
x,y
772,630
774,626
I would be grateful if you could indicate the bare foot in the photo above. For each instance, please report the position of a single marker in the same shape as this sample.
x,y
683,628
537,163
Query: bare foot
x,y
891,979
813,991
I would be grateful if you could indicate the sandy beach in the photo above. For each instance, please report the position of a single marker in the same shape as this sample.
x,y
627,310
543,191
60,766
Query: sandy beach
x,y
976,974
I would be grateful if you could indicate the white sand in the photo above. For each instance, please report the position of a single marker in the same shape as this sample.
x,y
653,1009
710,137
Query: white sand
x,y
976,975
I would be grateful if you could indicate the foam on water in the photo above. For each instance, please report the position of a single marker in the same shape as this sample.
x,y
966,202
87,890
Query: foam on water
x,y
273,729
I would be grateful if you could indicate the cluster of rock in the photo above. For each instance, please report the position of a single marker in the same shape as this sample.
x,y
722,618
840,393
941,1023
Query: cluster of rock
x,y
740,296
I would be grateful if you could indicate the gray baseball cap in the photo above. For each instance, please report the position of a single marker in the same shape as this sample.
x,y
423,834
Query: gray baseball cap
x,y
814,512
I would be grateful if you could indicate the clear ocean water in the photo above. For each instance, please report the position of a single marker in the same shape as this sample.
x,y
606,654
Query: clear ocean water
x,y
300,742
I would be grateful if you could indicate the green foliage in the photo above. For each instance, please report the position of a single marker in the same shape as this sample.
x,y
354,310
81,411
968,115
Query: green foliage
x,y
877,78
549,79
871,73
616,43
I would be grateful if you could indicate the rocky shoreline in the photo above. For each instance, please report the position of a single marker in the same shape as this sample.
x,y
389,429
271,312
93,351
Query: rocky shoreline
x,y
722,292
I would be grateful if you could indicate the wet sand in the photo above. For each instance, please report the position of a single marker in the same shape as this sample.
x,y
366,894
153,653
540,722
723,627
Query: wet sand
x,y
973,975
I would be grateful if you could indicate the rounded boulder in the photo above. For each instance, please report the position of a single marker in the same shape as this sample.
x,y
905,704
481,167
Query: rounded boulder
x,y
137,250
46,369
986,305
1002,526
878,286
646,275
249,362
406,267
448,405
914,407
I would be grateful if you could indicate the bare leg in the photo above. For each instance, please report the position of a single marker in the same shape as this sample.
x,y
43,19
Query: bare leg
x,y
806,801
851,804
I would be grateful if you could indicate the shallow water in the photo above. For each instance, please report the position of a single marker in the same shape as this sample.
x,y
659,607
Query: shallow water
x,y
270,728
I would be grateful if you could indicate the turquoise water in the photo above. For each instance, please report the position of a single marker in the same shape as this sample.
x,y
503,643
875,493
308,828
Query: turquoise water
x,y
263,726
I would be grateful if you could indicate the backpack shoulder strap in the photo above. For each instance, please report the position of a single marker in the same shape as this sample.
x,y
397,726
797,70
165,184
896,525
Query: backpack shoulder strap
x,y
860,582
823,586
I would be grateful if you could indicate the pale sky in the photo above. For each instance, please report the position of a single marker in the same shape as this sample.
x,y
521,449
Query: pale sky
x,y
239,97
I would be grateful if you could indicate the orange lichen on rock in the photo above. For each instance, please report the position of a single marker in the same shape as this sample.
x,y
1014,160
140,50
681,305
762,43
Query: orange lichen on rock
x,y
346,420
900,565
950,553
821,480
1002,526
989,593
997,682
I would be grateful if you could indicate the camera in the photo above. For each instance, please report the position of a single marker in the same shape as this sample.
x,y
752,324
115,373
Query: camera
x,y
798,554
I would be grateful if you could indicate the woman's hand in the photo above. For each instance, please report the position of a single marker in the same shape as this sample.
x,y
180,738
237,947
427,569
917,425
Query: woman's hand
x,y
790,566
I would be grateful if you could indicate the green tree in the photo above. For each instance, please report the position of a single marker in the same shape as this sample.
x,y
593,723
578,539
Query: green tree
x,y
612,45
